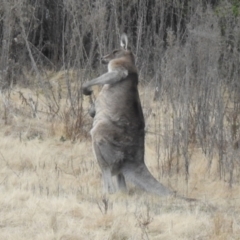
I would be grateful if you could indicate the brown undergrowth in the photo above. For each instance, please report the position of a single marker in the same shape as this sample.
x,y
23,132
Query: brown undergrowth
x,y
50,184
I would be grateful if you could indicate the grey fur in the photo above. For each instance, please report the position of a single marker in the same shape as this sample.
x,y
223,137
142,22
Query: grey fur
x,y
91,110
118,127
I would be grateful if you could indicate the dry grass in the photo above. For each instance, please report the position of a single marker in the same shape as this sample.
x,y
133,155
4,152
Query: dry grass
x,y
51,189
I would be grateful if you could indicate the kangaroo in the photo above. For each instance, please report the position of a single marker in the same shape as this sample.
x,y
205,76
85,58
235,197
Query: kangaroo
x,y
118,125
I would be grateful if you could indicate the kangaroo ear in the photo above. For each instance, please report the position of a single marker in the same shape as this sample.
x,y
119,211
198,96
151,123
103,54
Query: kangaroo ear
x,y
124,41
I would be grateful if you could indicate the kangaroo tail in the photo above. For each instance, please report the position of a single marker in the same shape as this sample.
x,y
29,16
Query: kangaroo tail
x,y
141,177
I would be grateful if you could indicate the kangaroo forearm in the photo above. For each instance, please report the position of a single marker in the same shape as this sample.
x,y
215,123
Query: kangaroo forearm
x,y
107,78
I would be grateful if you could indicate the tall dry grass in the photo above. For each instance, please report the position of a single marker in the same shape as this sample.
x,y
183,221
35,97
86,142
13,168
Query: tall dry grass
x,y
187,54
51,187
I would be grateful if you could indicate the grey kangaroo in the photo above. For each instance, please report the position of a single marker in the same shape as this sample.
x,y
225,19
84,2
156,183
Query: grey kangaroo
x,y
118,126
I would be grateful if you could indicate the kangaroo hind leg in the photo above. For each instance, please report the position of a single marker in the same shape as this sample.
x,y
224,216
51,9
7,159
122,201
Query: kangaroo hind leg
x,y
108,185
121,182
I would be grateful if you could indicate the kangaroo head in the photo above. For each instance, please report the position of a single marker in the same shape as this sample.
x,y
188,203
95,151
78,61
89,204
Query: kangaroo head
x,y
120,57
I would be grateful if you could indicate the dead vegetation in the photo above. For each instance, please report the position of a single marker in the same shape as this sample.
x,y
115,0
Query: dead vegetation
x,y
187,53
51,186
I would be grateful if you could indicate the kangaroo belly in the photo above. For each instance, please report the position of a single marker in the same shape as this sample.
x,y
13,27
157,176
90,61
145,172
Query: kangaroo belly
x,y
117,134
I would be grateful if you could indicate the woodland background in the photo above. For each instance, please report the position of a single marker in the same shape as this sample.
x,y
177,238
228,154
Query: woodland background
x,y
188,56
